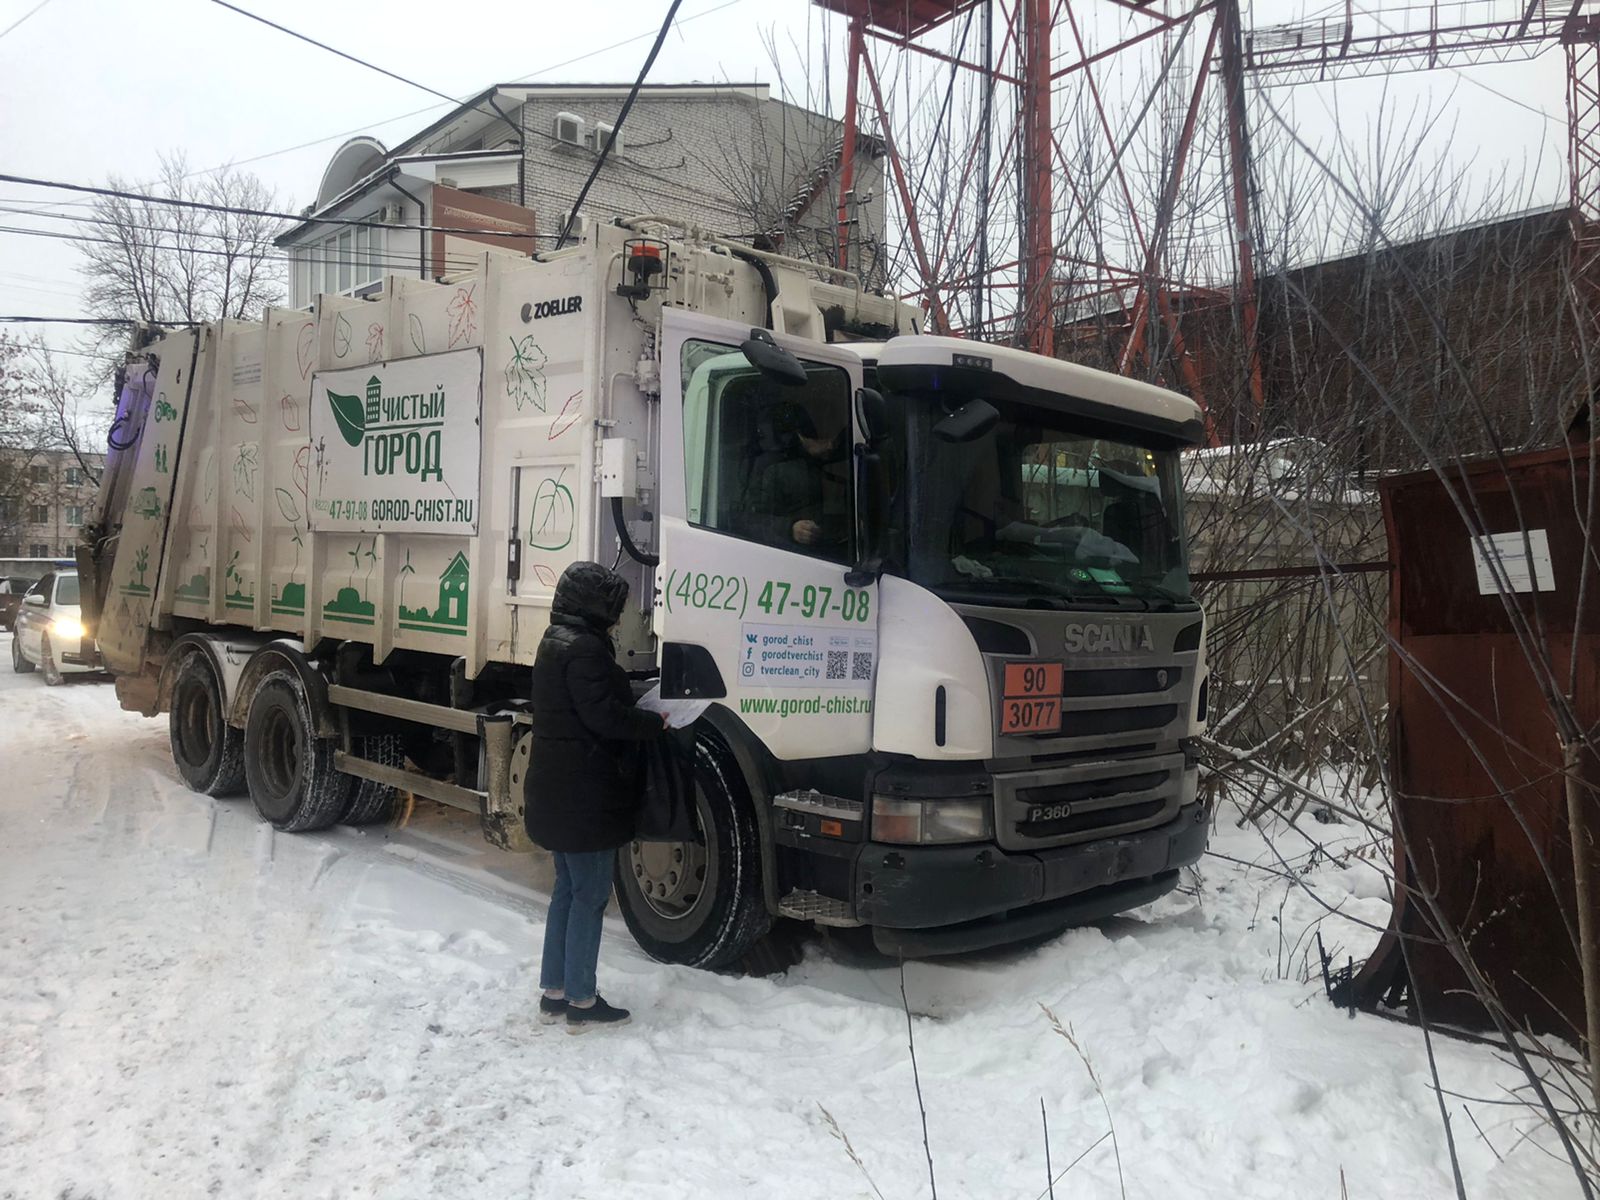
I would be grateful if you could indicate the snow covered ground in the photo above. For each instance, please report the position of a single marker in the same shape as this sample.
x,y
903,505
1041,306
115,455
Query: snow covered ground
x,y
191,1005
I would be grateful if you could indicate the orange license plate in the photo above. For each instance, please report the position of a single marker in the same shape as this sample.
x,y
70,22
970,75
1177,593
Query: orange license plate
x,y
1032,698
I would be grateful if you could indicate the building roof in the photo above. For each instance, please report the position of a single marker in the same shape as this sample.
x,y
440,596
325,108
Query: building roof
x,y
519,93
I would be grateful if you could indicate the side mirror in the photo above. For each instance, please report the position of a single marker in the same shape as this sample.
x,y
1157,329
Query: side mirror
x,y
968,423
772,360
34,598
872,415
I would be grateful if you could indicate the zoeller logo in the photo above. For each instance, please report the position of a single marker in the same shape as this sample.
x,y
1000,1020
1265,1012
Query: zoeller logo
x,y
395,433
1107,638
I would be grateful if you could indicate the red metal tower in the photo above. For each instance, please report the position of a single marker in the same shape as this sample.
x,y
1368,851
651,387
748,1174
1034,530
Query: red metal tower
x,y
1021,279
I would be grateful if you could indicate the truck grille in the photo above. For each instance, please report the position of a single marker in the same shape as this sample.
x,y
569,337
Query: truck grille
x,y
1086,800
1095,721
1132,682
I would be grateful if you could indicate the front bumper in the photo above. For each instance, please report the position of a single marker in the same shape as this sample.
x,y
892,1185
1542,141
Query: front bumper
x,y
75,657
929,900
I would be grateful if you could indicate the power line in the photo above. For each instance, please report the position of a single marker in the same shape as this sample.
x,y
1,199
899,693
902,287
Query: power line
x,y
15,320
360,62
385,259
600,159
206,206
417,112
23,17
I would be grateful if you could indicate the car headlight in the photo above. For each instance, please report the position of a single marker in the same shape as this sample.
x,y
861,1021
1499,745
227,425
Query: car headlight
x,y
924,822
67,627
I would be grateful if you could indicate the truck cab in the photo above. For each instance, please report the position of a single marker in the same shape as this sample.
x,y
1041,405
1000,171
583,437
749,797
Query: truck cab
x,y
938,592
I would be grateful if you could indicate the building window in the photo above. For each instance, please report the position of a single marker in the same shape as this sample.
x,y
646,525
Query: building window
x,y
74,476
304,257
39,473
8,508
39,514
330,264
74,514
39,550
346,243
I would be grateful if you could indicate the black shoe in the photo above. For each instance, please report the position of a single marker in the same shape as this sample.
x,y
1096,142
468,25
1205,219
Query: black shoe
x,y
597,1014
551,1011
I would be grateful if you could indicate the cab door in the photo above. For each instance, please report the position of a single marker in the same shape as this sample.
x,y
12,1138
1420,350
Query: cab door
x,y
758,531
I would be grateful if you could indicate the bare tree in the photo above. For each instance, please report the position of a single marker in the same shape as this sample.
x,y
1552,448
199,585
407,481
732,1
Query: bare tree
x,y
40,418
152,261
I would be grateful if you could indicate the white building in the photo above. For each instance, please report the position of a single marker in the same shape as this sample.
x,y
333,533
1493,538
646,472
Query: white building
x,y
510,162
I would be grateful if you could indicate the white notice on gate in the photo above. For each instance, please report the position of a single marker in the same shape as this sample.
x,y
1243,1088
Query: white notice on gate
x,y
1503,561
397,445
806,656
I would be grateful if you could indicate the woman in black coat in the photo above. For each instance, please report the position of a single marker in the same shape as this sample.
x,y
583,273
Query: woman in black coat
x,y
583,783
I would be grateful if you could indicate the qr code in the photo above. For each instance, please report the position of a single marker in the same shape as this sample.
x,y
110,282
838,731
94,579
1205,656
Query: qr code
x,y
861,665
838,663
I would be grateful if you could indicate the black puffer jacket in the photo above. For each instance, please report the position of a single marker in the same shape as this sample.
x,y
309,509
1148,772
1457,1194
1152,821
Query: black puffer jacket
x,y
583,782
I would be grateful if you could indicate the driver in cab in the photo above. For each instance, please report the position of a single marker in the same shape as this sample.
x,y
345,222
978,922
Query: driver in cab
x,y
786,503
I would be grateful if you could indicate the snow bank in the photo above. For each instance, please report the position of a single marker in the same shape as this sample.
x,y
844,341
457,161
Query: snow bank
x,y
191,1005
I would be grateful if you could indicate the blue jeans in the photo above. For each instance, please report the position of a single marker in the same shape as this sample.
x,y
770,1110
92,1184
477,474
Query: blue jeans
x,y
572,934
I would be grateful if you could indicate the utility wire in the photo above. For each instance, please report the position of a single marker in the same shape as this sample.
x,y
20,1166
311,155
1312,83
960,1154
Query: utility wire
x,y
23,17
600,160
417,112
360,62
206,206
15,320
384,259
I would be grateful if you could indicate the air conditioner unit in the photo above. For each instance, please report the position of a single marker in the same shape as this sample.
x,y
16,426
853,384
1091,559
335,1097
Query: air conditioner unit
x,y
569,128
597,139
389,214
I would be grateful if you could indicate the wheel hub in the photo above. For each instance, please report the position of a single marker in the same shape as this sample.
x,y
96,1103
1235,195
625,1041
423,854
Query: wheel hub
x,y
670,876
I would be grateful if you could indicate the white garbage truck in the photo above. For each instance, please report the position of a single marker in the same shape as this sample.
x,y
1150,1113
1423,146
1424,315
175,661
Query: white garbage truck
x,y
933,591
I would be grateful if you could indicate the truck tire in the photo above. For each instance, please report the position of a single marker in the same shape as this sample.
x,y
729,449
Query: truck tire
x,y
208,752
47,663
692,903
290,770
20,663
371,801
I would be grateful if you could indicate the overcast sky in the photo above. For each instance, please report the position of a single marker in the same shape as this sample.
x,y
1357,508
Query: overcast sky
x,y
90,88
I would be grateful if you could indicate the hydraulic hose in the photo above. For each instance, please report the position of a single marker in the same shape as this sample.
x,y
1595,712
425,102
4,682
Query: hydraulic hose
x,y
638,555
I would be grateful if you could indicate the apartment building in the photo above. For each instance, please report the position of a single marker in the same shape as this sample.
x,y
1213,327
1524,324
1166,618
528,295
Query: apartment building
x,y
45,496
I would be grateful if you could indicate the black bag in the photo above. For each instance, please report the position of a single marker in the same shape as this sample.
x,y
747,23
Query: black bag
x,y
667,806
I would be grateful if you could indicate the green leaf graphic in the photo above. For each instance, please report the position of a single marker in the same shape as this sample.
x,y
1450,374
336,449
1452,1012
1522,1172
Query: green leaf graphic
x,y
348,412
287,506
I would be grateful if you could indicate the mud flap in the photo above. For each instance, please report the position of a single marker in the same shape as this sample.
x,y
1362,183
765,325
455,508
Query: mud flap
x,y
503,773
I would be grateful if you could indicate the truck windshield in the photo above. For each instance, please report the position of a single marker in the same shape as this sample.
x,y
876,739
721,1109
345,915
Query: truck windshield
x,y
1037,513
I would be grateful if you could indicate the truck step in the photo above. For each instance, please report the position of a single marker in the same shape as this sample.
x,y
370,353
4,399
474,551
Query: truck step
x,y
811,906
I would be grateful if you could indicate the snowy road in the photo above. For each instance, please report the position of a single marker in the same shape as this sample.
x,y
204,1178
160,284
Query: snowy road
x,y
191,1005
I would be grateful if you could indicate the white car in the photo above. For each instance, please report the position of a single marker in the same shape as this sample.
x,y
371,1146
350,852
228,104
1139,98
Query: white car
x,y
49,630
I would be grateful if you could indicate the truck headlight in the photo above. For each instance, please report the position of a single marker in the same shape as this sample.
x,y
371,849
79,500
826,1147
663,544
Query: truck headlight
x,y
925,822
69,628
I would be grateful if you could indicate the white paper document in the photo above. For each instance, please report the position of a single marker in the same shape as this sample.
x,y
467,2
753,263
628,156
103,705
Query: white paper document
x,y
678,712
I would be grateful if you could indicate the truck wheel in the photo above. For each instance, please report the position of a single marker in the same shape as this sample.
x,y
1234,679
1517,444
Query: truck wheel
x,y
208,752
370,801
19,662
293,783
47,663
699,903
